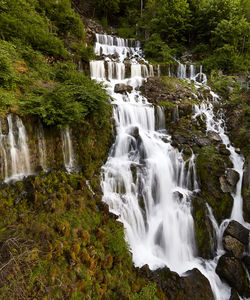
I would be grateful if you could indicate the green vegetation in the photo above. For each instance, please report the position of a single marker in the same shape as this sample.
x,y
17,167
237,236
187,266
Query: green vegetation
x,y
59,242
41,41
217,32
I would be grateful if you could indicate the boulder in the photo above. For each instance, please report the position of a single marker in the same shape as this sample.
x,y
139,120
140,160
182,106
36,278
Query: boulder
x,y
234,295
123,88
231,270
200,141
215,137
236,230
229,181
223,150
232,177
233,246
193,286
225,186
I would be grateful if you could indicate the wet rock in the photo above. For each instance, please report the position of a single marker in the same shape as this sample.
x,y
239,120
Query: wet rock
x,y
200,141
179,139
229,181
223,150
246,261
232,177
134,132
234,295
193,286
236,230
246,191
225,186
233,246
205,235
123,88
231,270
215,137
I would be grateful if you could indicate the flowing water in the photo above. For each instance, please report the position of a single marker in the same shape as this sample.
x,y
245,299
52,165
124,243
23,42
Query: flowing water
x,y
146,182
42,147
15,158
68,151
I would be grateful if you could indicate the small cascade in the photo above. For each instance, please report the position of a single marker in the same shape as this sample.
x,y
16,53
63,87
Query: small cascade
x,y
151,71
97,69
42,147
192,72
122,48
15,150
158,71
217,125
116,70
181,71
68,151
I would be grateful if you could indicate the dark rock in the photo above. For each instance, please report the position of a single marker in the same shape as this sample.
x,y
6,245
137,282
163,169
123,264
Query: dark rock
x,y
205,235
223,150
134,132
179,139
225,186
123,88
234,295
233,246
246,191
232,177
236,230
200,141
214,136
232,271
246,261
193,286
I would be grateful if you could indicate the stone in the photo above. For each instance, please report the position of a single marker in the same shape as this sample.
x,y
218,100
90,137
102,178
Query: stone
x,y
236,230
214,137
232,177
200,141
233,246
237,150
134,131
225,186
193,286
234,295
123,88
223,150
231,270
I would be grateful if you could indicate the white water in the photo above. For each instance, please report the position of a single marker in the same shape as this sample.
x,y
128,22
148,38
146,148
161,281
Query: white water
x,y
68,151
147,183
14,151
216,124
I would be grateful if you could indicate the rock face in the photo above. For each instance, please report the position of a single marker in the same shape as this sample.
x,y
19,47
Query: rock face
x,y
194,286
239,232
123,88
229,181
232,271
246,191
233,246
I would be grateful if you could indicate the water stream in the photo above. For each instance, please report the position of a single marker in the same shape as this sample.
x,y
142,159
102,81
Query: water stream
x,y
146,182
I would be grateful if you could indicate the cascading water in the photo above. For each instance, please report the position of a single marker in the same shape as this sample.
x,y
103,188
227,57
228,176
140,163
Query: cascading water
x,y
217,125
15,158
147,183
68,151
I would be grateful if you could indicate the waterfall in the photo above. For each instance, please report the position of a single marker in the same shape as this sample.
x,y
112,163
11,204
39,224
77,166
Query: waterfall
x,y
97,70
192,73
68,152
42,147
14,146
148,184
181,71
116,70
151,71
217,125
